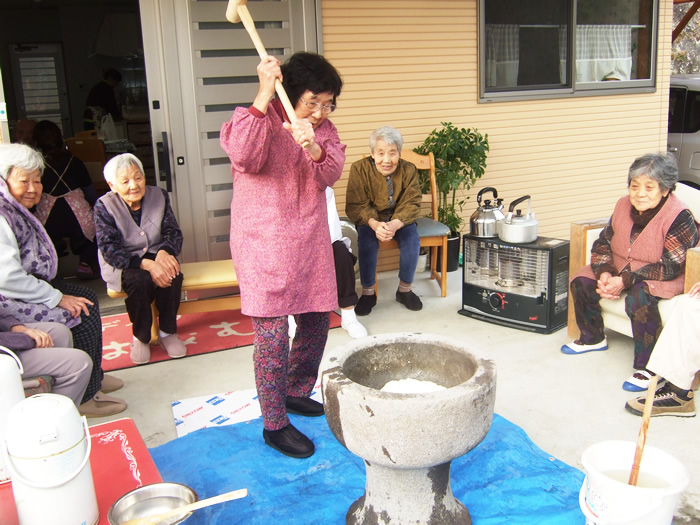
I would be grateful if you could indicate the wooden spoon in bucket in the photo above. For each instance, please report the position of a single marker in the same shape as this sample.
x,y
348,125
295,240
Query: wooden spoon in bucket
x,y
157,518
642,438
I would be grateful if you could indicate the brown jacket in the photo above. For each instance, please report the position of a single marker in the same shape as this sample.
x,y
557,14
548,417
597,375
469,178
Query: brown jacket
x,y
367,196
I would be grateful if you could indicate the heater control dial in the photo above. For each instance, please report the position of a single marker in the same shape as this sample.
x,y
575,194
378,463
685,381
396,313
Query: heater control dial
x,y
496,300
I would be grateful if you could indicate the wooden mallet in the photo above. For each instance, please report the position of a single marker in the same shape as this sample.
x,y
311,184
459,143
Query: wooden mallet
x,y
237,11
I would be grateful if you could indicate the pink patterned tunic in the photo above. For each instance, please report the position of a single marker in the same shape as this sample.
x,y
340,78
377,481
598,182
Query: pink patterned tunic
x,y
279,226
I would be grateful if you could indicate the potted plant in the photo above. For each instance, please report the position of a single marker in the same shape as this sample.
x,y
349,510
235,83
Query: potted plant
x,y
460,159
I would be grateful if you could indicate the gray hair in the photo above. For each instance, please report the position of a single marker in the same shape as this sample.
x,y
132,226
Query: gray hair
x,y
387,134
19,156
118,163
662,167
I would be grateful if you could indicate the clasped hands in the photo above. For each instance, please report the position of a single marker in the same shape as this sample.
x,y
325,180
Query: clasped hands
x,y
163,270
385,231
609,287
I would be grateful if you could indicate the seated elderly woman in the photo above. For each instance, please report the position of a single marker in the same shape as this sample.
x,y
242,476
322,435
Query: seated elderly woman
x,y
66,204
28,289
139,241
641,251
47,349
383,200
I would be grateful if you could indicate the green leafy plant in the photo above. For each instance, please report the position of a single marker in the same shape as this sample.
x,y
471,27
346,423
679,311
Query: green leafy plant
x,y
460,159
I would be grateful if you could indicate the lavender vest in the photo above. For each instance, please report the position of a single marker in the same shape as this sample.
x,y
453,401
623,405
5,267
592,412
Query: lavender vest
x,y
37,257
647,248
136,239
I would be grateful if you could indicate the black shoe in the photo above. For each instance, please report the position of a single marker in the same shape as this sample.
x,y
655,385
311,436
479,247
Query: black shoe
x,y
365,304
409,300
304,406
289,441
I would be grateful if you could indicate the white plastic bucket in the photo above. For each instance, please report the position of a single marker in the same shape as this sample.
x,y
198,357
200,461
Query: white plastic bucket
x,y
47,449
11,393
606,498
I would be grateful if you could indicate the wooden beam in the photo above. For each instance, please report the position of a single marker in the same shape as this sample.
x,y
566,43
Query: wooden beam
x,y
686,18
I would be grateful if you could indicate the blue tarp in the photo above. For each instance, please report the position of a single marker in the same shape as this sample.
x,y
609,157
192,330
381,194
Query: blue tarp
x,y
507,479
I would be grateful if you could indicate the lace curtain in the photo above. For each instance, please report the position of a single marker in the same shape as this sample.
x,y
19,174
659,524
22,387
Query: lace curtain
x,y
602,51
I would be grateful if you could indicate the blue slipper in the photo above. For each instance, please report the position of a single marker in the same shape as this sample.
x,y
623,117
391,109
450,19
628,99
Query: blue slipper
x,y
639,381
575,347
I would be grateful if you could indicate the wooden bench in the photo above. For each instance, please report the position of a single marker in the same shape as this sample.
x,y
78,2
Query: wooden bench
x,y
199,277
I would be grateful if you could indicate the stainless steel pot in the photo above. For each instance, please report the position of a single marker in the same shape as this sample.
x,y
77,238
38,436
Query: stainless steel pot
x,y
484,222
518,228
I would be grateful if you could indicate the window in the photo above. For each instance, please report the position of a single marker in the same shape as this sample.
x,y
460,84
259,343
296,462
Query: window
x,y
548,48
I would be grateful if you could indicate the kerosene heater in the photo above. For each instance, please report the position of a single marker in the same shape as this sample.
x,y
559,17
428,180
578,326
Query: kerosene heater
x,y
523,286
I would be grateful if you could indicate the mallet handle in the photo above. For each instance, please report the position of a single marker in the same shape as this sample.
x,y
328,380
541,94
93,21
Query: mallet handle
x,y
248,23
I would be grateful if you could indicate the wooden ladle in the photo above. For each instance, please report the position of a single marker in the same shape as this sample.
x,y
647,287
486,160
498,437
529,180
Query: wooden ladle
x,y
642,438
156,518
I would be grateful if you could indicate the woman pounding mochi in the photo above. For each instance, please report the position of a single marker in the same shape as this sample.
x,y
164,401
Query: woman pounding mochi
x,y
279,234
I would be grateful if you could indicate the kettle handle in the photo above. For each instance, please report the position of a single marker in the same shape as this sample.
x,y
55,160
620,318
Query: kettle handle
x,y
518,201
492,190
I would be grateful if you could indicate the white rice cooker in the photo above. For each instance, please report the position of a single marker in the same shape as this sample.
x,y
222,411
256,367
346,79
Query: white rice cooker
x,y
47,453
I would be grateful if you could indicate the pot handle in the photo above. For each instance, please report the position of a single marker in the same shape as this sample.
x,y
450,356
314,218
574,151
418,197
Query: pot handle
x,y
518,201
492,190
5,350
16,475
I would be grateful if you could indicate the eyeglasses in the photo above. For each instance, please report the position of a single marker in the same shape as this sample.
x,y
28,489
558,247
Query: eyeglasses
x,y
313,106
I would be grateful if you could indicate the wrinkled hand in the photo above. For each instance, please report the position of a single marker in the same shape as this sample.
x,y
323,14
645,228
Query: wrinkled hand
x,y
384,231
302,131
170,263
41,338
160,275
268,73
609,287
75,305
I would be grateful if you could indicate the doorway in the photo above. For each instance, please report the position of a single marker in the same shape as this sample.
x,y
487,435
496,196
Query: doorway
x,y
185,68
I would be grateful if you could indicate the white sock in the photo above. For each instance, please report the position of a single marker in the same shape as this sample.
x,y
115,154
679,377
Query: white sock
x,y
161,333
348,315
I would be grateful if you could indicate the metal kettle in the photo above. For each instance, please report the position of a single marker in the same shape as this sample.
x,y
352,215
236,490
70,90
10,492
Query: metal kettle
x,y
485,221
518,228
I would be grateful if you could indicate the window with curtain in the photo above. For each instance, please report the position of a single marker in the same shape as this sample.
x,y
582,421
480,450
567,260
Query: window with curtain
x,y
564,47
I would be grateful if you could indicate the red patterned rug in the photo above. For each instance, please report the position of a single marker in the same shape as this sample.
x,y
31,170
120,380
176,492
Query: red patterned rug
x,y
202,333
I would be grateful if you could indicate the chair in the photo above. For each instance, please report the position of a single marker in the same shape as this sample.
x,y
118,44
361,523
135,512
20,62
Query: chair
x,y
86,133
432,234
91,151
584,233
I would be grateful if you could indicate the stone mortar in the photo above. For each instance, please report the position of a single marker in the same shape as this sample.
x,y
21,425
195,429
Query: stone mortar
x,y
408,440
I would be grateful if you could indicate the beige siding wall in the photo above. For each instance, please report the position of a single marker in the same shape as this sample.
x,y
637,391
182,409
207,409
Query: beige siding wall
x,y
413,64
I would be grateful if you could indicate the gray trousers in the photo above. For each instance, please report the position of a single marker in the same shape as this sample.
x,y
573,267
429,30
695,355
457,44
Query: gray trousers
x,y
70,367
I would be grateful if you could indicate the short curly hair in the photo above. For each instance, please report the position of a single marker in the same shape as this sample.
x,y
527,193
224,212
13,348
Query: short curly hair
x,y
310,72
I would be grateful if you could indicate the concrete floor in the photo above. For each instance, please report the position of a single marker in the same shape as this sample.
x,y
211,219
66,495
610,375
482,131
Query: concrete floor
x,y
564,403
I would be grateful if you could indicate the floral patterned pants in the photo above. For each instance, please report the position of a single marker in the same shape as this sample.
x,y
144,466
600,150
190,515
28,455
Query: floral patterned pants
x,y
281,371
641,307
